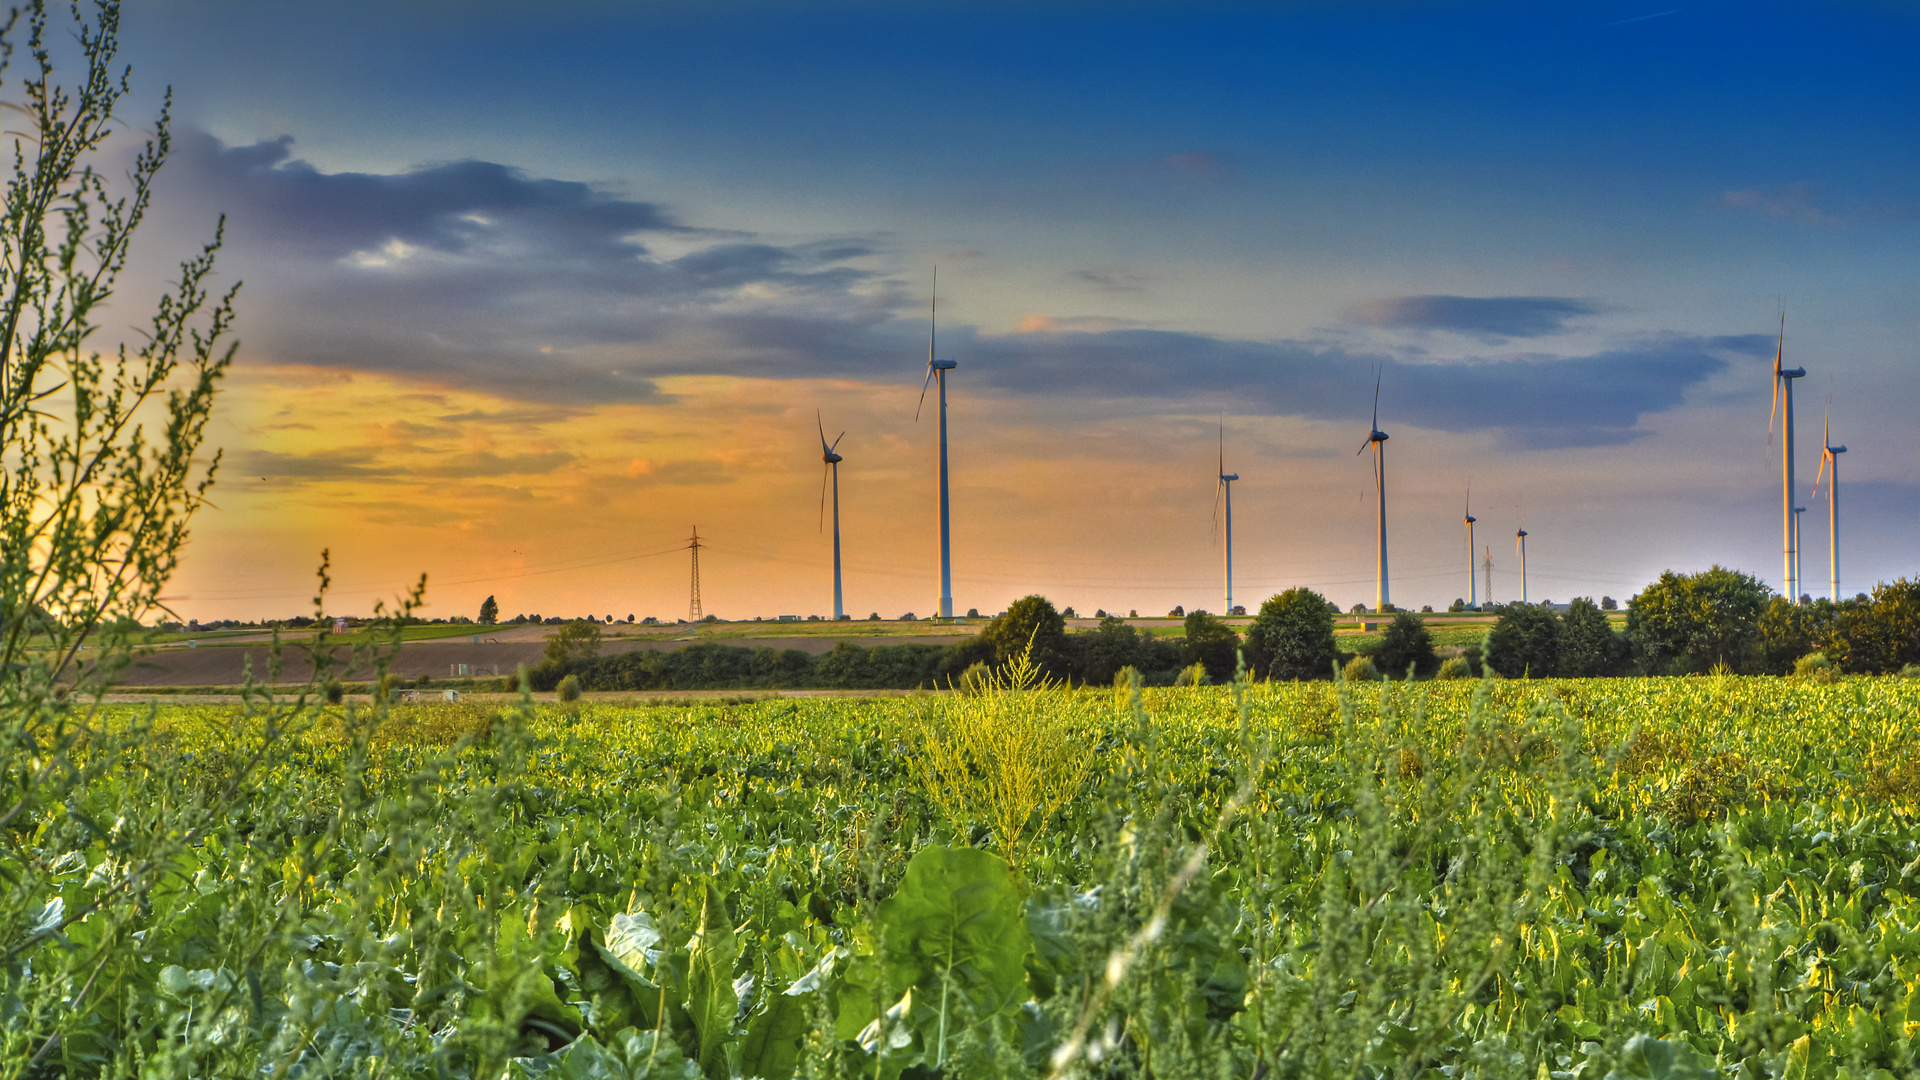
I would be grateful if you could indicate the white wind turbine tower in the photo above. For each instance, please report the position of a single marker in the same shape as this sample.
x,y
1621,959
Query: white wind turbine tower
x,y
1473,596
937,369
1786,375
1378,440
828,454
1520,545
1830,470
1223,490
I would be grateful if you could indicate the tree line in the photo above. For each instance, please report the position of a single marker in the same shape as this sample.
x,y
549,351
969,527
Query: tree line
x,y
1717,619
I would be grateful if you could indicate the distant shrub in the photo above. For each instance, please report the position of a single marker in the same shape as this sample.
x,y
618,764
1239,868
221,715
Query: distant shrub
x,y
1360,669
1454,667
1406,643
569,689
1815,667
975,680
1194,674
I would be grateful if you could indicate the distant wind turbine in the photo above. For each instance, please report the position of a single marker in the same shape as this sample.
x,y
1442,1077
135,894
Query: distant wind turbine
x,y
1473,596
1830,470
1377,439
1786,376
1520,545
937,369
1223,490
829,454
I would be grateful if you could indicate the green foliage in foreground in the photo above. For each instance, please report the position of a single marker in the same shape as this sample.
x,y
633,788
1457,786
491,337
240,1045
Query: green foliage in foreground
x,y
1618,877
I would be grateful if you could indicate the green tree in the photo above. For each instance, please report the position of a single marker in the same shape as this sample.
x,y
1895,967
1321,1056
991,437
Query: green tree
x,y
575,642
1878,637
1211,643
489,611
1406,643
1101,654
1789,631
1689,622
1524,642
1589,646
1292,637
1030,619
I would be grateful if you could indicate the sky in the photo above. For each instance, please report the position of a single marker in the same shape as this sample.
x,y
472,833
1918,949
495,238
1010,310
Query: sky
x,y
531,292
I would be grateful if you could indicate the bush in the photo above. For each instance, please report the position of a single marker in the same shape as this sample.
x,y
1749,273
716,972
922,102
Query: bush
x,y
1815,667
1360,669
977,679
1525,642
569,688
1192,675
1880,636
1406,644
1210,642
1690,621
1589,646
1030,620
1292,637
1454,667
1094,658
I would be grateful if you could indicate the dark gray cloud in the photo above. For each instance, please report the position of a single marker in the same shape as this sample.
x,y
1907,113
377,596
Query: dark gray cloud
x,y
1537,401
478,276
1483,316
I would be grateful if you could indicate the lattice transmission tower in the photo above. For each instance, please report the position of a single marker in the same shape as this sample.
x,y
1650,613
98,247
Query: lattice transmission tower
x,y
1487,566
694,614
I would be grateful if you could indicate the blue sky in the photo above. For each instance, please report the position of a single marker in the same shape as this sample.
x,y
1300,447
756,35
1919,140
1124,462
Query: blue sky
x,y
633,248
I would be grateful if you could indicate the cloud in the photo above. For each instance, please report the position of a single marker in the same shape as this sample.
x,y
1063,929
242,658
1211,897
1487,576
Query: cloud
x,y
693,472
353,463
473,466
1793,202
1483,316
359,463
1072,324
1112,280
1534,401
479,277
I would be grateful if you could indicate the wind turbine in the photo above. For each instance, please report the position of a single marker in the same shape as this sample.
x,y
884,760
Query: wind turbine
x,y
1520,545
1797,511
1378,440
1786,376
937,369
832,459
1473,597
1224,490
1830,469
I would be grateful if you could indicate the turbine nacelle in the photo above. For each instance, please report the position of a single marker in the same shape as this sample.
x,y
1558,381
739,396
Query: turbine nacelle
x,y
1228,478
1470,519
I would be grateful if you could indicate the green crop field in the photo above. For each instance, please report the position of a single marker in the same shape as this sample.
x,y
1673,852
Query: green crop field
x,y
1628,877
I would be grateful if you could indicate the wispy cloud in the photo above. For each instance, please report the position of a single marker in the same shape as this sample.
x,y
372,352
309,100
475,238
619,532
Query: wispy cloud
x,y
1791,202
1484,316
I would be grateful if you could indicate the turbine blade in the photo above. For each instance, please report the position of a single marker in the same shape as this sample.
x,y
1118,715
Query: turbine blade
x,y
824,448
1218,485
836,442
1223,447
923,393
823,496
1818,476
1779,349
1363,447
1376,400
